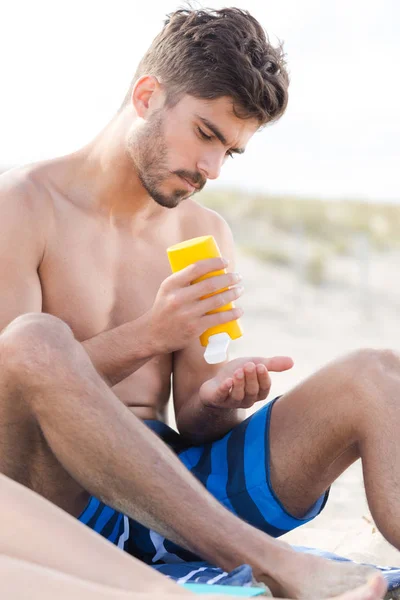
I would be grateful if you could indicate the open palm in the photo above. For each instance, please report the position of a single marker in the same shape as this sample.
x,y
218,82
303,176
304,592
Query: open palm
x,y
242,382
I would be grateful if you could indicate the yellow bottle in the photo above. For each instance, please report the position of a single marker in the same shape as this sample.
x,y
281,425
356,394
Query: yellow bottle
x,y
217,338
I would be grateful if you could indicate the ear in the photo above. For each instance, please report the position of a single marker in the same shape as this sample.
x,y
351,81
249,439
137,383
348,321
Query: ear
x,y
146,95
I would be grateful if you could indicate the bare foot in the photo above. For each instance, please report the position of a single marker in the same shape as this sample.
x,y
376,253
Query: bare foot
x,y
375,589
306,576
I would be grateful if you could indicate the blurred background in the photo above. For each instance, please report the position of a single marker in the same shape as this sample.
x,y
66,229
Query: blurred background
x,y
313,204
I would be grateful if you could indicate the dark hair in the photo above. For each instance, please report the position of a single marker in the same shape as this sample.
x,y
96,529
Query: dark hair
x,y
210,53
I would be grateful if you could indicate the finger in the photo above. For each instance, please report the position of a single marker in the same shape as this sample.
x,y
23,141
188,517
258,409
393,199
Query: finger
x,y
220,299
223,391
264,381
274,363
279,363
251,387
219,318
237,391
198,269
251,380
212,285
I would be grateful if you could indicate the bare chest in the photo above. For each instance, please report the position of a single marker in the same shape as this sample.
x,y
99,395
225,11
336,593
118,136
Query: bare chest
x,y
96,280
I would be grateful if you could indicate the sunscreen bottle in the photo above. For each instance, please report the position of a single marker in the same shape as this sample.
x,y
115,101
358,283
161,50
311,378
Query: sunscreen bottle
x,y
216,339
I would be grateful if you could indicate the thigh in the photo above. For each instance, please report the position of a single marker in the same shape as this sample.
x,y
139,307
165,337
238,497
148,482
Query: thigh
x,y
236,470
313,437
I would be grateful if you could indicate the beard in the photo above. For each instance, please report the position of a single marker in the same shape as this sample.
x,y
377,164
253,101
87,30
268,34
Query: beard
x,y
149,153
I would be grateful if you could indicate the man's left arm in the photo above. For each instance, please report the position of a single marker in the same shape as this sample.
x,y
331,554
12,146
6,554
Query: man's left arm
x,y
194,419
209,400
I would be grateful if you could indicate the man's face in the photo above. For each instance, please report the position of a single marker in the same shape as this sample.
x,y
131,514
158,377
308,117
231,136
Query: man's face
x,y
177,149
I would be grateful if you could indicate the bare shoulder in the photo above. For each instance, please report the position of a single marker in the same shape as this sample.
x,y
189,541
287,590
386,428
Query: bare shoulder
x,y
25,204
198,220
25,187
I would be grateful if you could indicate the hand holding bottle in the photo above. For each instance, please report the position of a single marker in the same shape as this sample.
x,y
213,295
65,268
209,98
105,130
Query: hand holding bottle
x,y
242,382
215,338
180,311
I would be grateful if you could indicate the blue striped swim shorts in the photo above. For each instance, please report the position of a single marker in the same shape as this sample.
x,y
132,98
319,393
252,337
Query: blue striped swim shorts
x,y
234,469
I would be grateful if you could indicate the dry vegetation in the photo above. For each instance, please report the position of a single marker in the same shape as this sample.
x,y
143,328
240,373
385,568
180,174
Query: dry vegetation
x,y
308,235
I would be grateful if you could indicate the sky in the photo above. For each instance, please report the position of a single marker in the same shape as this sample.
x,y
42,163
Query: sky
x,y
66,66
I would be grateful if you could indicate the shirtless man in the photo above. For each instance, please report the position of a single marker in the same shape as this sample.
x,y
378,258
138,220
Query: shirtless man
x,y
94,326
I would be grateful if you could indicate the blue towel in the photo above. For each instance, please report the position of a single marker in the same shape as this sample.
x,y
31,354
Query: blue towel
x,y
204,573
228,590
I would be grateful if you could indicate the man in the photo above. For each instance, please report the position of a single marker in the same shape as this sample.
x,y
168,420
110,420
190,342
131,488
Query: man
x,y
83,261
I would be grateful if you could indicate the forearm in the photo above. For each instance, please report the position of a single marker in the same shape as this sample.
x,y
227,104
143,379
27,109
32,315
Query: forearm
x,y
118,352
201,424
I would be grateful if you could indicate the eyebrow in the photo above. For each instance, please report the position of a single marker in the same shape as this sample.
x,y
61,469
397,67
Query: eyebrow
x,y
218,134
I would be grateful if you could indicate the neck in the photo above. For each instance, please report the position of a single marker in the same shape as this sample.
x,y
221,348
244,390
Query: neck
x,y
108,181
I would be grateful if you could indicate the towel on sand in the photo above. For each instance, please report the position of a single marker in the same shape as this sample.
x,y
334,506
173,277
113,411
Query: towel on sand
x,y
202,572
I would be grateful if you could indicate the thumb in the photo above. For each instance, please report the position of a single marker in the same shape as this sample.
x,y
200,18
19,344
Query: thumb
x,y
213,391
224,389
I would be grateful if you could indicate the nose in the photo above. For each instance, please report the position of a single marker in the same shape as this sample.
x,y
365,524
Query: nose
x,y
210,165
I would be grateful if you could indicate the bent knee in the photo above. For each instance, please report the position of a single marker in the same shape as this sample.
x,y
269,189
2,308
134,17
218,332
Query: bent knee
x,y
371,368
33,335
37,324
375,359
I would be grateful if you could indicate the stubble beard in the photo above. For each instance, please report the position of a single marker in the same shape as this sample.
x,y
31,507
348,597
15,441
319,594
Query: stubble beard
x,y
151,164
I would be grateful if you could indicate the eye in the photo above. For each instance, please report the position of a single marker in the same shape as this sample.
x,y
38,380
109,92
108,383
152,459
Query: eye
x,y
209,138
204,135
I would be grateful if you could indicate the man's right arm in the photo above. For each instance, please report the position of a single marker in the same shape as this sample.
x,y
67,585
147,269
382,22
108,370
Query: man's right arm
x,y
23,222
26,213
177,316
180,313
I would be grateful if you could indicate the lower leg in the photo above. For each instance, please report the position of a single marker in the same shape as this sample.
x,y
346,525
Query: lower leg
x,y
347,410
103,447
380,447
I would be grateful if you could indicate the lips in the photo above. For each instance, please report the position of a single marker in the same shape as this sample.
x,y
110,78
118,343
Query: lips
x,y
190,184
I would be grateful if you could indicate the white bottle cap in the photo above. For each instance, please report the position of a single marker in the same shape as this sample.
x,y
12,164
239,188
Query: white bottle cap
x,y
217,348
